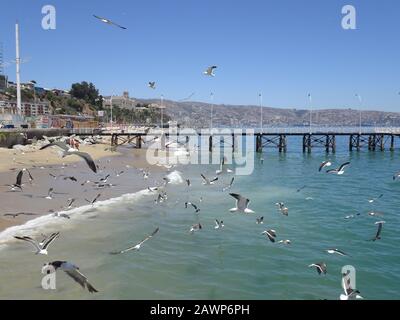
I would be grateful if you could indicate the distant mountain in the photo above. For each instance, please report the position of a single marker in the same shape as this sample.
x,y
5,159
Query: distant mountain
x,y
197,115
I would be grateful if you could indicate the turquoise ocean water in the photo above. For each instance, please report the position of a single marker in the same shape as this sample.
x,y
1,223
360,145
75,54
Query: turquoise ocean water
x,y
236,262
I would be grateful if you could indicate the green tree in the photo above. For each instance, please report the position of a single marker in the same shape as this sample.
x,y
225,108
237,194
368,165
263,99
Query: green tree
x,y
85,91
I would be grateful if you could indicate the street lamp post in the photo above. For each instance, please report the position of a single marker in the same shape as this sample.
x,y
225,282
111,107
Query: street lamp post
x,y
111,113
212,110
162,113
310,99
360,100
261,112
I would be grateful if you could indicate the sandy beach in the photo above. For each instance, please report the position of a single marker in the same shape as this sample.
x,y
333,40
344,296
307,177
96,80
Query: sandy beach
x,y
32,200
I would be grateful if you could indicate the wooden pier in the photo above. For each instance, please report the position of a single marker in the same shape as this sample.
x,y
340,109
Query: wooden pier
x,y
373,139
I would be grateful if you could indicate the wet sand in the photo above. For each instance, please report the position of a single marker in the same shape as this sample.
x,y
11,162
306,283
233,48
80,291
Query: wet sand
x,y
32,199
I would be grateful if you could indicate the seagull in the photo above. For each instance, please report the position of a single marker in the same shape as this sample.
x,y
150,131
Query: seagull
x,y
53,176
71,178
378,233
71,270
321,267
137,246
29,173
67,151
219,224
152,85
61,215
206,181
303,187
229,185
396,176
271,234
50,194
14,215
40,249
260,220
94,200
210,71
337,251
349,292
282,208
197,210
285,242
374,199
18,183
109,22
188,182
340,170
324,164
222,168
195,228
70,202
375,214
241,204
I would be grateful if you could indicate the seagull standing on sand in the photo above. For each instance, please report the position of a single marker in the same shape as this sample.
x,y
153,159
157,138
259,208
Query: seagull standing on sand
x,y
109,22
241,204
72,271
137,246
40,249
339,171
320,267
67,151
210,71
324,164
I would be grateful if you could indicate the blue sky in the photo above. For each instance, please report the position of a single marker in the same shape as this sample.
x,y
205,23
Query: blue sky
x,y
283,49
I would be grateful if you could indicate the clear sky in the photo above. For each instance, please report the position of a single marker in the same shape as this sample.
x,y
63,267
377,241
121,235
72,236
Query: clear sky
x,y
284,49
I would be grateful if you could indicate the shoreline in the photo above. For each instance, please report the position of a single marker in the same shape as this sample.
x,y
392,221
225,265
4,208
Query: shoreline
x,y
41,164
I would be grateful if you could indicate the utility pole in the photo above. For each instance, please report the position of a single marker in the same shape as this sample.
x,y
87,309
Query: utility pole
x,y
17,63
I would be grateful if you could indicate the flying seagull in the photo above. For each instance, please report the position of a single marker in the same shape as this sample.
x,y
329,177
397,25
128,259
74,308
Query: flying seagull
x,y
206,181
396,175
50,194
260,220
349,292
241,204
137,246
281,207
14,215
71,270
195,227
321,267
210,71
197,210
337,251
40,249
188,182
67,151
70,202
374,199
219,224
300,189
109,22
18,182
29,173
285,242
94,200
229,185
340,170
271,234
71,178
223,168
152,85
379,231
324,164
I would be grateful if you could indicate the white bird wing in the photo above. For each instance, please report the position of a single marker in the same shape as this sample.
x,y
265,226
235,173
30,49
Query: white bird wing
x,y
50,240
31,241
